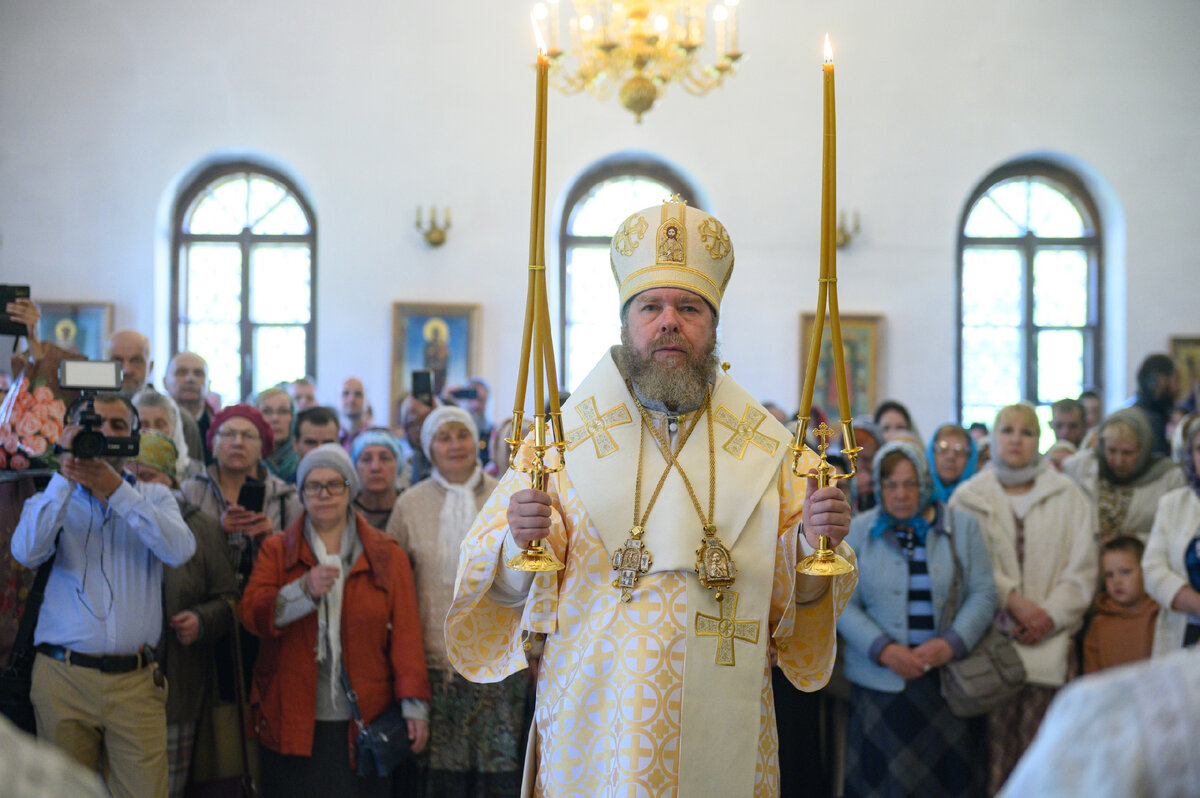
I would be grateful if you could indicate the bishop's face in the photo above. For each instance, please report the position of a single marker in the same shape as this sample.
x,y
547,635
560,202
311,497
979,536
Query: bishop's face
x,y
670,326
670,336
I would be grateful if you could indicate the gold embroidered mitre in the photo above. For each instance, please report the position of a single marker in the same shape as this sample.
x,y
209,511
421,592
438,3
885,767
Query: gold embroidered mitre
x,y
672,246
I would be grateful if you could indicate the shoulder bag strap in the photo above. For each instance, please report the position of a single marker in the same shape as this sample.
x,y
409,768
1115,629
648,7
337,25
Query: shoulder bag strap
x,y
351,696
21,656
239,693
951,607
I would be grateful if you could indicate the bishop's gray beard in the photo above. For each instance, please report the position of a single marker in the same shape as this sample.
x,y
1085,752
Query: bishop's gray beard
x,y
679,388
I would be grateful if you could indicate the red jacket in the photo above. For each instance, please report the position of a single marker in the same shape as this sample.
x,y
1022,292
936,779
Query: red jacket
x,y
381,637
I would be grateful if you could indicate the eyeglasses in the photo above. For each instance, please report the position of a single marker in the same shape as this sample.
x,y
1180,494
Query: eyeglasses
x,y
270,411
239,434
314,489
892,485
942,447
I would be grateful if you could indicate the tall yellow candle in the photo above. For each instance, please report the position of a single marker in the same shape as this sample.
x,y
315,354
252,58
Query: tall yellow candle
x,y
529,334
829,232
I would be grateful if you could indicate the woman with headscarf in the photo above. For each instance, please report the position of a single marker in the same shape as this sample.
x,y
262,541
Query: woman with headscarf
x,y
158,412
1171,564
475,729
196,607
239,438
954,457
1038,527
869,438
377,456
279,409
1123,477
330,593
903,738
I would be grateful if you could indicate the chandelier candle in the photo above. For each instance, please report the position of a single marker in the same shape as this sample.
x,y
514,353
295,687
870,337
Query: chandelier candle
x,y
826,562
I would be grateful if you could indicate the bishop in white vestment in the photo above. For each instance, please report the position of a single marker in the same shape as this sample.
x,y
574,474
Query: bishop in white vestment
x,y
655,679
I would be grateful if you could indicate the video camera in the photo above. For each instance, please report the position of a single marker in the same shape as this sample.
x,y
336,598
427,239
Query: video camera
x,y
91,377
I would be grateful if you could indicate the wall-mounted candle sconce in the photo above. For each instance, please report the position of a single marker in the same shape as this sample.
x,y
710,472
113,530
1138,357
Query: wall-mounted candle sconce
x,y
846,234
435,234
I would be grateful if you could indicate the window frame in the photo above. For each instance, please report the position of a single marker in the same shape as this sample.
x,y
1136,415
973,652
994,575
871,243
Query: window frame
x,y
617,167
246,241
1028,246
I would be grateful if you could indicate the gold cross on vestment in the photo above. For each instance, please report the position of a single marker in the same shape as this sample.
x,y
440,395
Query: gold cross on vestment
x,y
745,431
596,426
726,628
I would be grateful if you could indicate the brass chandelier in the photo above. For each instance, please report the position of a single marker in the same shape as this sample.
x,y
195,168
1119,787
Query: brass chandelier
x,y
637,47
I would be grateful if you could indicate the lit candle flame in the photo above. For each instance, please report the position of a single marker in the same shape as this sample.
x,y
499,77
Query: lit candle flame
x,y
828,50
537,32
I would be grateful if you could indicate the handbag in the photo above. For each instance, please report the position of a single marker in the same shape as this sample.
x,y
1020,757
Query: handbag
x,y
382,745
991,673
221,764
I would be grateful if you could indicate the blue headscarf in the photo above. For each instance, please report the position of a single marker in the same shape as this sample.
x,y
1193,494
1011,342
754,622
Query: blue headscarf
x,y
942,491
374,437
884,521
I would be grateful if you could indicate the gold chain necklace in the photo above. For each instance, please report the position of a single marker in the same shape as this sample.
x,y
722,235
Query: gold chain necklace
x,y
714,565
633,559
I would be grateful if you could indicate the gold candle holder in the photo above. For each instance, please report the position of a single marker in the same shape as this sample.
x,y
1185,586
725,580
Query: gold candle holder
x,y
537,347
825,561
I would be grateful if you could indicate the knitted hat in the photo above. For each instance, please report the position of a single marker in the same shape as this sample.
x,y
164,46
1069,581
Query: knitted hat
x,y
328,455
440,417
157,451
683,248
251,414
374,437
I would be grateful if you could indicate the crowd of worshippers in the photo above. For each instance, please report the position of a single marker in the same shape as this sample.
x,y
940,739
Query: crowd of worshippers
x,y
1085,555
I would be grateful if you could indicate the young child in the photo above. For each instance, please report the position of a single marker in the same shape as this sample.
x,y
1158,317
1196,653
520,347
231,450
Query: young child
x,y
1122,629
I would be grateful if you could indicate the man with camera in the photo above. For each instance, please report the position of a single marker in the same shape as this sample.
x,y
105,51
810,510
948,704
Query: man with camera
x,y
97,692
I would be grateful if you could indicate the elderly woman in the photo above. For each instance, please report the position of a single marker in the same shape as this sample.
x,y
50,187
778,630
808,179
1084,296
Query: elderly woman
x,y
279,409
158,412
1038,527
1122,477
239,438
903,739
475,729
196,598
331,592
377,456
955,459
1172,561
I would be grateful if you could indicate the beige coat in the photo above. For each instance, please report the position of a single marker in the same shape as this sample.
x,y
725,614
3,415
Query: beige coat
x,y
1175,527
1060,563
1084,469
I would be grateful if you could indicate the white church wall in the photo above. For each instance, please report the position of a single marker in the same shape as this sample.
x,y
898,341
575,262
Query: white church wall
x,y
375,107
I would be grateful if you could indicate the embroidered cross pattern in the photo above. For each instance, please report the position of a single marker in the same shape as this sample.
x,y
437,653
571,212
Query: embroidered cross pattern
x,y
726,628
745,431
596,426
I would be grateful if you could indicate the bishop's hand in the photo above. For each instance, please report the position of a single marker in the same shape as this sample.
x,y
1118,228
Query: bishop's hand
x,y
529,516
826,512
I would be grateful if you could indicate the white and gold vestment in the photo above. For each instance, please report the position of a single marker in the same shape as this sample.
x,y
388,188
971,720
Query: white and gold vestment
x,y
669,693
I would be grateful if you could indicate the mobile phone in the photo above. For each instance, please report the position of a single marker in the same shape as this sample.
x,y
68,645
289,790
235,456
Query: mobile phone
x,y
422,386
252,495
11,293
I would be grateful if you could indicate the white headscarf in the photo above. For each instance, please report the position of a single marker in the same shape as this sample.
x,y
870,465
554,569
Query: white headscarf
x,y
458,510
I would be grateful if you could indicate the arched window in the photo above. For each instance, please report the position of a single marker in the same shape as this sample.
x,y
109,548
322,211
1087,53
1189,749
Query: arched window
x,y
243,278
1030,265
596,205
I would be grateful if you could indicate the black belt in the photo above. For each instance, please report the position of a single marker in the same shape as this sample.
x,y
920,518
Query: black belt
x,y
109,663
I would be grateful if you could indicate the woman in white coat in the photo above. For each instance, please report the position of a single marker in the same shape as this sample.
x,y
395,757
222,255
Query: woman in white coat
x,y
1038,527
1171,563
